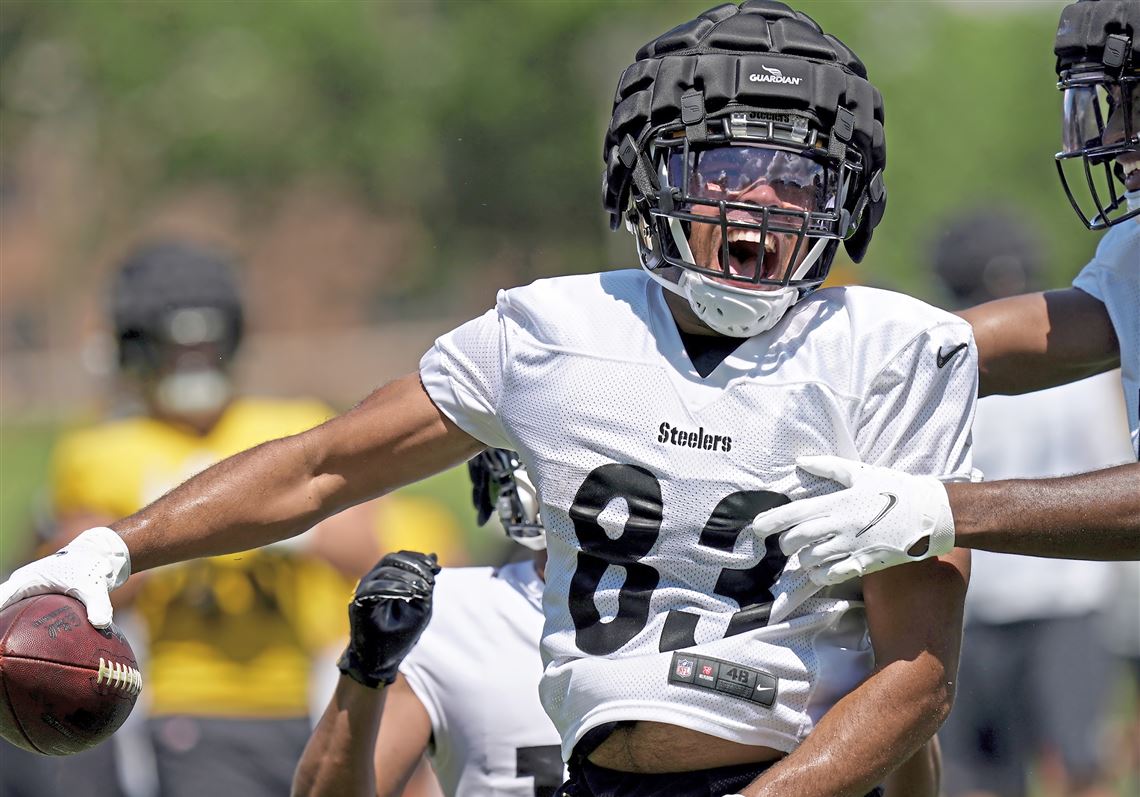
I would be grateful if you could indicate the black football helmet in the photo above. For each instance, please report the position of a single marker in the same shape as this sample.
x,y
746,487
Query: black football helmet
x,y
170,294
753,138
1098,66
178,320
499,483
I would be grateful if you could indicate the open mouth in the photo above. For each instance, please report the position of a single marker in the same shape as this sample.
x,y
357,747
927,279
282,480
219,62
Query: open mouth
x,y
1131,170
750,253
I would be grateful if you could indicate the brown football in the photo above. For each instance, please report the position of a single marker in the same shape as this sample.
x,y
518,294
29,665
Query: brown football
x,y
65,685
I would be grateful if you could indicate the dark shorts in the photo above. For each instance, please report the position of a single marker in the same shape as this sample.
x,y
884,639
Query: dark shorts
x,y
199,756
91,773
594,781
1024,688
590,780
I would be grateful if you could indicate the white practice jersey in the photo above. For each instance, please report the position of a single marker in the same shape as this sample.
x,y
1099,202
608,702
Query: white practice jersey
x,y
476,670
1113,276
657,599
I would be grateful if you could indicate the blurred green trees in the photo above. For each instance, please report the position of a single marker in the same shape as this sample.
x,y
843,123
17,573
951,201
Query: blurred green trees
x,y
485,118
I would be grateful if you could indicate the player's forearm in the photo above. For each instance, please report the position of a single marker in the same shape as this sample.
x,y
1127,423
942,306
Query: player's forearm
x,y
918,776
338,760
262,495
1040,340
867,735
394,437
1089,516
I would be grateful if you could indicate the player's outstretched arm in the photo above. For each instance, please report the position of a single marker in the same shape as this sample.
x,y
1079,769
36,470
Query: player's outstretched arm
x,y
915,618
394,437
1088,516
1040,340
343,758
887,517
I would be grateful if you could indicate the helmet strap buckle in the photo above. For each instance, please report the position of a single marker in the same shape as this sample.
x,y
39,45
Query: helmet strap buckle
x,y
634,159
1116,48
693,116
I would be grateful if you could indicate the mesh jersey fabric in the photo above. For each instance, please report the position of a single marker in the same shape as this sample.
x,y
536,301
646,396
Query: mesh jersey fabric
x,y
228,636
1113,277
648,475
476,671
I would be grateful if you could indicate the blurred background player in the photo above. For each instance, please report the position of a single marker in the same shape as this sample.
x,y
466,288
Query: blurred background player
x,y
230,641
1031,623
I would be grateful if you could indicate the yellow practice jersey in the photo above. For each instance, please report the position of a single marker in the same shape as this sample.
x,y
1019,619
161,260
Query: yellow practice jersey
x,y
229,635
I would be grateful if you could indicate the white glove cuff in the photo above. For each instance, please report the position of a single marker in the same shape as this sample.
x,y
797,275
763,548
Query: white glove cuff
x,y
108,546
942,533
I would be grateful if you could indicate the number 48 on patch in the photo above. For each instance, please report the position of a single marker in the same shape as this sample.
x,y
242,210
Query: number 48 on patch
x,y
701,672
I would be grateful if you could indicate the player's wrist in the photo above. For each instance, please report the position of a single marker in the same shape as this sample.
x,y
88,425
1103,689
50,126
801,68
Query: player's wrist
x,y
359,670
111,550
351,666
942,530
357,682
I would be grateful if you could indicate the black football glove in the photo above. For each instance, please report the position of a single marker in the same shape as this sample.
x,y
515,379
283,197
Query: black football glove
x,y
390,610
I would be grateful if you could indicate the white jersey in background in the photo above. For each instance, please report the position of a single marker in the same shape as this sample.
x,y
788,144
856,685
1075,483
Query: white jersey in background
x,y
1113,277
476,671
1069,429
657,599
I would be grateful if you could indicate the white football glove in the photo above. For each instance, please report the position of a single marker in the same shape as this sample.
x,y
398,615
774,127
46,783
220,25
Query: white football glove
x,y
87,568
885,518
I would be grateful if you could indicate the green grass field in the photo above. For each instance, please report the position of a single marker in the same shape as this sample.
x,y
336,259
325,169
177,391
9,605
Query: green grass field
x,y
24,454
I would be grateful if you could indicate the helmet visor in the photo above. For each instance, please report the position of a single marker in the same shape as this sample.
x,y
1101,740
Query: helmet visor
x,y
1086,109
1100,117
756,175
748,212
1100,140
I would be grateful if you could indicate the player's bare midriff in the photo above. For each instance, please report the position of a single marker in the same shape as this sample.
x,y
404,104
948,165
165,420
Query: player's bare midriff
x,y
655,747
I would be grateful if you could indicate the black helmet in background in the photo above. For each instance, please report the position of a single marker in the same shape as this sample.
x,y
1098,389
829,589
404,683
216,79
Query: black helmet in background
x,y
986,253
501,486
178,322
1098,69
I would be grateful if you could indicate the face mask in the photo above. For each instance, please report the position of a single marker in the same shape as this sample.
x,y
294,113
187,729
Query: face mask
x,y
193,392
1133,199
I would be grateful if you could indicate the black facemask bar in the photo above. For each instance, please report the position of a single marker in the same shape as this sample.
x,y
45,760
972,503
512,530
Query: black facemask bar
x,y
1086,121
776,131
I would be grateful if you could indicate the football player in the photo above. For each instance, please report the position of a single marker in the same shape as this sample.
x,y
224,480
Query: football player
x,y
231,640
661,411
1031,622
467,693
1025,343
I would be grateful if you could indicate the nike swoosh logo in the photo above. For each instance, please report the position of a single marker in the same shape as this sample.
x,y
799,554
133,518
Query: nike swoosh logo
x,y
892,499
945,358
766,695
